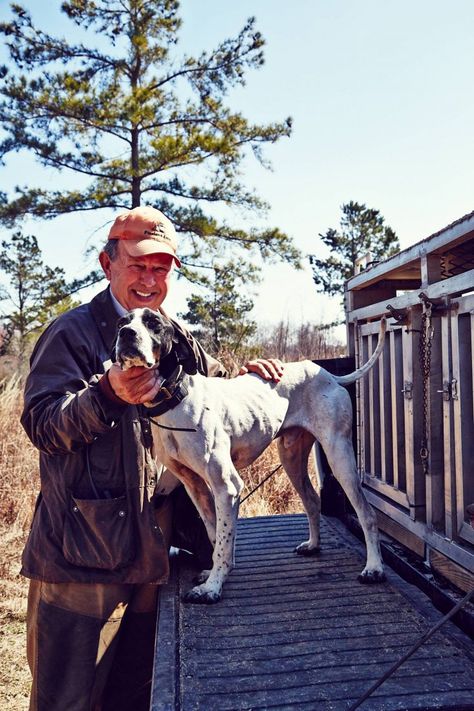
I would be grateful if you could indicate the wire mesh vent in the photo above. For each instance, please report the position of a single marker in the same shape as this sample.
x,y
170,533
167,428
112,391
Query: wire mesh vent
x,y
458,260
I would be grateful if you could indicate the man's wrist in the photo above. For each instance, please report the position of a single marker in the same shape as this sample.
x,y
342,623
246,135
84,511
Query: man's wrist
x,y
106,387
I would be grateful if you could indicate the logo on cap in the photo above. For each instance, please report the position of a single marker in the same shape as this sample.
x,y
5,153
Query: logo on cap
x,y
159,230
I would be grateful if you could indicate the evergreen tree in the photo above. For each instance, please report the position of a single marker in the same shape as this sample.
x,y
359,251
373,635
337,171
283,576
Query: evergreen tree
x,y
361,230
221,316
35,293
139,123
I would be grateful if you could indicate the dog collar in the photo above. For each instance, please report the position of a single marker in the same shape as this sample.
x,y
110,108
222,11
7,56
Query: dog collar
x,y
173,390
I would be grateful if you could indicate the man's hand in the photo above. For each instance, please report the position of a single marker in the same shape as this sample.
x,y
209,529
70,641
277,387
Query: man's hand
x,y
135,385
268,369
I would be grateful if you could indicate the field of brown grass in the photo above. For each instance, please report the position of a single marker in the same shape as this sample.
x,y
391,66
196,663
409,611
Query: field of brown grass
x,y
19,486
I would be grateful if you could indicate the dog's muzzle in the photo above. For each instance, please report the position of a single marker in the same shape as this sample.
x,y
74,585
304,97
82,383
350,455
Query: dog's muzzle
x,y
132,351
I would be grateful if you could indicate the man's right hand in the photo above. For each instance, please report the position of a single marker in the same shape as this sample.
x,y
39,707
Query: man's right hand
x,y
135,385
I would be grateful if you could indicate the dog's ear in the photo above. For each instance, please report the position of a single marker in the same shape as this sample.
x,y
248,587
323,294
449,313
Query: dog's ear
x,y
167,338
160,329
120,322
185,353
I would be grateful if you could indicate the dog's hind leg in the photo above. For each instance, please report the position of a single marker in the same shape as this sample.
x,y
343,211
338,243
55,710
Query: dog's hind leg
x,y
294,447
340,455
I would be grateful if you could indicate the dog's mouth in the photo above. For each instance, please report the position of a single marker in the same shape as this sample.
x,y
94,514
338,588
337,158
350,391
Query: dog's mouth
x,y
130,359
132,351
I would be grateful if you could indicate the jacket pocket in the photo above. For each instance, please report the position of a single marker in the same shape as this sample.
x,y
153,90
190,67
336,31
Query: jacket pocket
x,y
98,533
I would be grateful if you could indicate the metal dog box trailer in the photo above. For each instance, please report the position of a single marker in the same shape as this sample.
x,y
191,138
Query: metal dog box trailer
x,y
415,410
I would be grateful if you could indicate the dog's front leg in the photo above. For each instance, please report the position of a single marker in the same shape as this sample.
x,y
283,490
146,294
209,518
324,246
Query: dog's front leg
x,y
294,447
226,492
201,497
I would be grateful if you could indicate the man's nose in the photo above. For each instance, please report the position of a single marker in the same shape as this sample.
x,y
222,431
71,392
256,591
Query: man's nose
x,y
148,277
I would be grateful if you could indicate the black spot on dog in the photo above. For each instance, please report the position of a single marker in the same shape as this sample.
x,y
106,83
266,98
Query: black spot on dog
x,y
160,329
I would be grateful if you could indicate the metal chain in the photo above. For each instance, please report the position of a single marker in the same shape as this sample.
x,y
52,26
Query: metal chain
x,y
426,339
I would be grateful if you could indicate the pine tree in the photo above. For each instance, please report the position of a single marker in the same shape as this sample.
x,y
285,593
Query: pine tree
x,y
138,123
362,230
221,318
35,293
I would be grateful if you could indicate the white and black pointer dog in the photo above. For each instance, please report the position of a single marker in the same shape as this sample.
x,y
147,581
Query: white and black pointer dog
x,y
221,425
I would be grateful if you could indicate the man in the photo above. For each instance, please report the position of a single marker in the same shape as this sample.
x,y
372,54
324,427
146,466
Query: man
x,y
98,546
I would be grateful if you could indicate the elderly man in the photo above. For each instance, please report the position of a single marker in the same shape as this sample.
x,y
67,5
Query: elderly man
x,y
98,547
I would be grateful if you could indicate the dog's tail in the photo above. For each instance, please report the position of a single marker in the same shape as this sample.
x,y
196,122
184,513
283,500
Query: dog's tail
x,y
363,370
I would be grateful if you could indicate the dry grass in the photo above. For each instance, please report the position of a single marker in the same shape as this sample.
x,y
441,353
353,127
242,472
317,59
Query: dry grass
x,y
19,461
14,672
19,485
274,496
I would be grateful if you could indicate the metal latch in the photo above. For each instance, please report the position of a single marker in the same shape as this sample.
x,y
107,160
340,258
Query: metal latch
x,y
408,390
454,389
399,315
450,390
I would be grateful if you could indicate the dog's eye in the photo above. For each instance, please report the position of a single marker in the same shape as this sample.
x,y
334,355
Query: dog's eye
x,y
151,321
123,320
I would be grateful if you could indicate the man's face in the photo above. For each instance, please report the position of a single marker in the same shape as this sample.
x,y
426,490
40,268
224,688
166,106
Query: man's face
x,y
138,282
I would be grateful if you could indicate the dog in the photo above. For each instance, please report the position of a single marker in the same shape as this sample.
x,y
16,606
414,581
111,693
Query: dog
x,y
218,425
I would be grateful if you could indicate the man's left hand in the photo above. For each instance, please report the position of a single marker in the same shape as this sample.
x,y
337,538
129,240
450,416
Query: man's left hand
x,y
268,369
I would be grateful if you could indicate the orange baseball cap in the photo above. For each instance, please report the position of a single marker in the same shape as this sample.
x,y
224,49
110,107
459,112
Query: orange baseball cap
x,y
145,230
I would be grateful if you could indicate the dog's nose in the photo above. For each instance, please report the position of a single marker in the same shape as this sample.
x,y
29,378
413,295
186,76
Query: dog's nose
x,y
127,333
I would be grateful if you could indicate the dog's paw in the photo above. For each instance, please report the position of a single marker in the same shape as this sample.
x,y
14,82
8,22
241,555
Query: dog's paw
x,y
202,577
371,577
304,549
198,596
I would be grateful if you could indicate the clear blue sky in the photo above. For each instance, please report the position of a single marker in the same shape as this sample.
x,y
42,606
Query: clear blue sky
x,y
382,102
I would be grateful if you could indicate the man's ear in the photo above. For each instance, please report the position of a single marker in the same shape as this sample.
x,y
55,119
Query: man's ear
x,y
105,261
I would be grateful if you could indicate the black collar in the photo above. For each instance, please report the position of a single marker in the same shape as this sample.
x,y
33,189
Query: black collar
x,y
173,390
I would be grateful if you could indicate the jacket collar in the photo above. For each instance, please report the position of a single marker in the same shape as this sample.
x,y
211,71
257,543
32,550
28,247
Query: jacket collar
x,y
105,317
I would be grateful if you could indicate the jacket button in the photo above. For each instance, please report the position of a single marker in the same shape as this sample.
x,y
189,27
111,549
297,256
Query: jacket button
x,y
121,514
75,509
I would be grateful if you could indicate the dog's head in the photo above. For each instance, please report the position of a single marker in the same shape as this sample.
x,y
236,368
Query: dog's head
x,y
143,338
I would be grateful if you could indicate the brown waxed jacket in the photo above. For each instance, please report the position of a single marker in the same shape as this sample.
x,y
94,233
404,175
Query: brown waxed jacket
x,y
94,520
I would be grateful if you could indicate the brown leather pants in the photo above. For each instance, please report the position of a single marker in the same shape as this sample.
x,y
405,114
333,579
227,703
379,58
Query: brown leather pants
x,y
90,647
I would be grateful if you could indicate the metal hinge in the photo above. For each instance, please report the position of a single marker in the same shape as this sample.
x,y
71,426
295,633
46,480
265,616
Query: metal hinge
x,y
408,390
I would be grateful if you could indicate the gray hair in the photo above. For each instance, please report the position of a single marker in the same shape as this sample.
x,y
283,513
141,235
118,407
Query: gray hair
x,y
111,248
